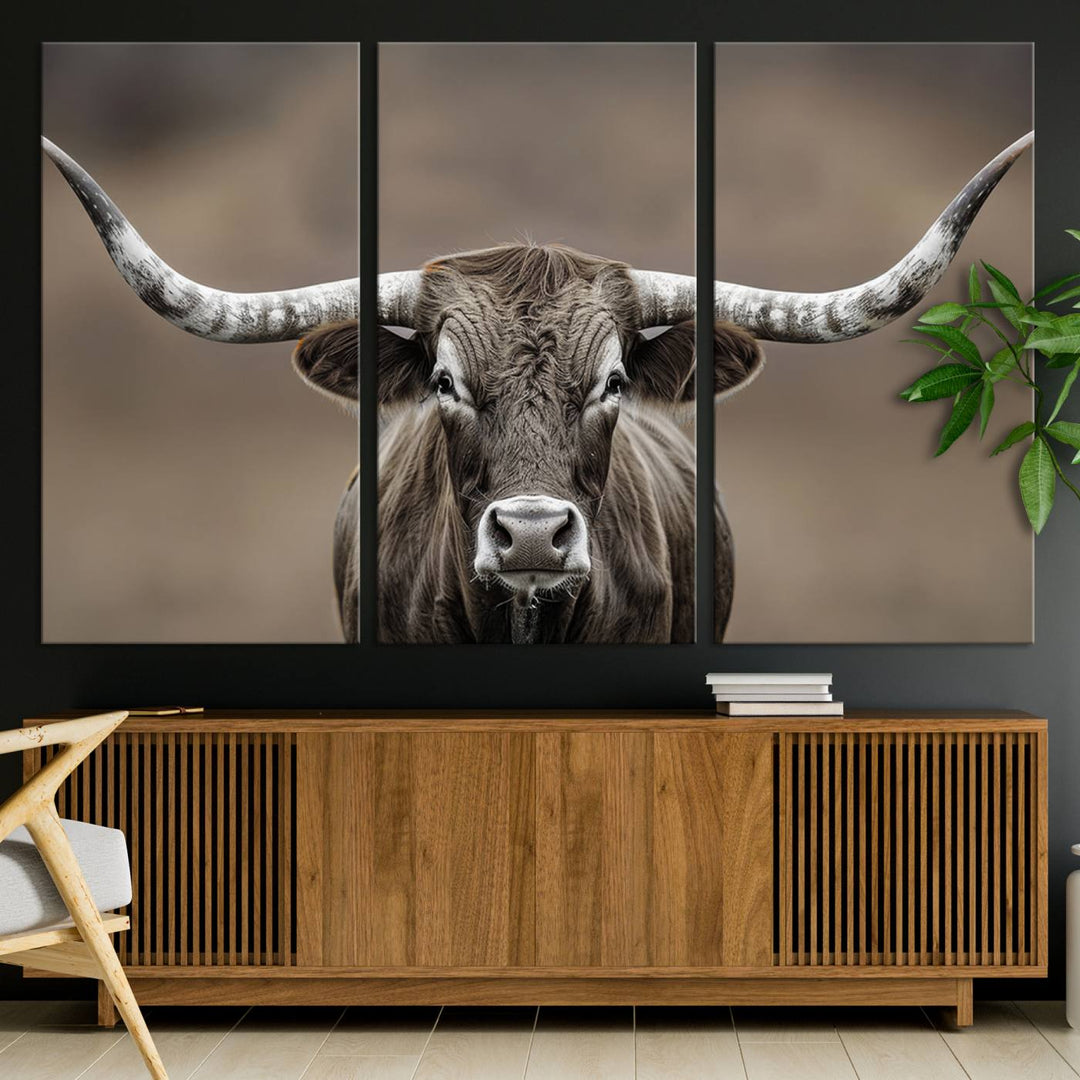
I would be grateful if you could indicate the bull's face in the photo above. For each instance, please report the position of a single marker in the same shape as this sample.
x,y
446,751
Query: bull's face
x,y
528,407
528,356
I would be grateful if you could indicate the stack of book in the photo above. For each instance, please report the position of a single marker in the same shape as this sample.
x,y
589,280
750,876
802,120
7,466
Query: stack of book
x,y
758,694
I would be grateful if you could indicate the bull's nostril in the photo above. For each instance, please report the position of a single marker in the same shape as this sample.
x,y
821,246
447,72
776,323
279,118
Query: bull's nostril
x,y
531,542
501,535
564,535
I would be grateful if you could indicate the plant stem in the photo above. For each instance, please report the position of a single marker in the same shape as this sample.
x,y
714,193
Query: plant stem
x,y
1017,348
1064,479
1008,344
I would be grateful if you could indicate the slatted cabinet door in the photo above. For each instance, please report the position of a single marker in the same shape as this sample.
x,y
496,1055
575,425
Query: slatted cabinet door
x,y
209,818
939,842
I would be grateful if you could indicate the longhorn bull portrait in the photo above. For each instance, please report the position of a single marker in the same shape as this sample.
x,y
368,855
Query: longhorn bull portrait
x,y
534,482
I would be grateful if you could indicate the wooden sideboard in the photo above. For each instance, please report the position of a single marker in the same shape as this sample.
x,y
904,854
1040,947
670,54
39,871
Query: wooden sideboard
x,y
574,857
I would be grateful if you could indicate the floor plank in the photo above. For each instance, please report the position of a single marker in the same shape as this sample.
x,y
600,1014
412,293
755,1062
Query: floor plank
x,y
1049,1018
687,1044
895,1044
56,1053
18,1017
784,1024
185,1039
270,1044
786,1060
583,1044
382,1031
362,1067
59,1041
1004,1045
480,1044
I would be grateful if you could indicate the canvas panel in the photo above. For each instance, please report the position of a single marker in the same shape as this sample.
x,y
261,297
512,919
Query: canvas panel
x,y
501,516
190,487
831,162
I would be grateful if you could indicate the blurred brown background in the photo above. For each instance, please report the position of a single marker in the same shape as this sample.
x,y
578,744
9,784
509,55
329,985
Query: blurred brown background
x,y
832,160
190,487
588,145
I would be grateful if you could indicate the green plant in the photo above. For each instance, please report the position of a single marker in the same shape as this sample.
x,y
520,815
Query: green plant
x,y
964,375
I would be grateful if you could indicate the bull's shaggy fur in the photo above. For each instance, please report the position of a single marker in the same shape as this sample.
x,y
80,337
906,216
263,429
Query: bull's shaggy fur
x,y
529,324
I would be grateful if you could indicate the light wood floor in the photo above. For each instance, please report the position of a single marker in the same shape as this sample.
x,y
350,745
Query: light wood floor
x,y
1010,1041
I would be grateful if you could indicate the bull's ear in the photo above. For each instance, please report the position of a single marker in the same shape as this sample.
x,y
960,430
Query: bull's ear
x,y
404,367
328,360
661,366
738,359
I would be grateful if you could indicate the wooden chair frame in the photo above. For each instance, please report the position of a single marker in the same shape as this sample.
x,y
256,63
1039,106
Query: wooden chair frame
x,y
84,948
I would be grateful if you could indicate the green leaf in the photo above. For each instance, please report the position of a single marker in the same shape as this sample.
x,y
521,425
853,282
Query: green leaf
x,y
1011,308
1037,478
943,313
1065,431
1001,363
1067,295
926,344
974,284
957,341
1003,281
1065,388
986,404
1062,337
936,346
1037,318
940,382
1075,233
963,413
1076,460
1055,285
1021,431
1063,361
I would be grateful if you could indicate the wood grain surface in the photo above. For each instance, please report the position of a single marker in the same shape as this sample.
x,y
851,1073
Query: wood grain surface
x,y
564,857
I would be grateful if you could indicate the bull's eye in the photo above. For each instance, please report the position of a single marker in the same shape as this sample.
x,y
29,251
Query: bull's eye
x,y
444,384
615,384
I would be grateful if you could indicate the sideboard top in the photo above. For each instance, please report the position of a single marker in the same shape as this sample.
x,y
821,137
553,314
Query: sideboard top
x,y
444,720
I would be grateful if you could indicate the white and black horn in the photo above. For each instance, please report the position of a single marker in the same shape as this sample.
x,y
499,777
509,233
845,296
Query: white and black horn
x,y
198,309
811,318
665,298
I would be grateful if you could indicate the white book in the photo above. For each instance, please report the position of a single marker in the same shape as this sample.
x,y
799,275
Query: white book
x,y
780,708
722,678
771,688
727,695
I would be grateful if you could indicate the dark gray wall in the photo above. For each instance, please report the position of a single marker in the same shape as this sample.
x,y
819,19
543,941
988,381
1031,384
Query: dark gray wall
x,y
1043,678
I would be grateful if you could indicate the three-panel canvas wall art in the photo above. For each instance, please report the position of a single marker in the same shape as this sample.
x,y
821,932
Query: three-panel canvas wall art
x,y
534,361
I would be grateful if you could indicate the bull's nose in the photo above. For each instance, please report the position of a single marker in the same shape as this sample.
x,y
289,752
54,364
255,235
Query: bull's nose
x,y
532,541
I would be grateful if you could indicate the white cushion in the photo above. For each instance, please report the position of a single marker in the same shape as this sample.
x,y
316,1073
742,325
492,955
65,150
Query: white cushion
x,y
28,897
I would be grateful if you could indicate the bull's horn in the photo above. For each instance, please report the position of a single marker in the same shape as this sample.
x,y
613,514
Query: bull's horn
x,y
397,297
846,313
208,313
